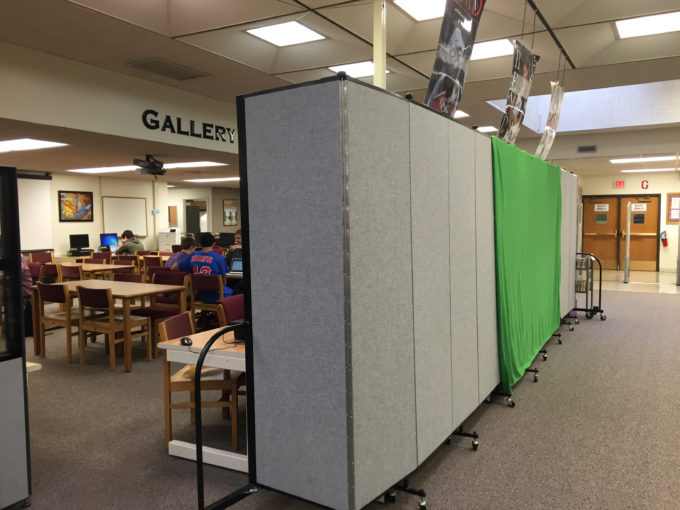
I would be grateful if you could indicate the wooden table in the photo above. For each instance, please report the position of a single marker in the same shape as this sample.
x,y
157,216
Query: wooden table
x,y
125,291
66,260
234,276
222,355
93,269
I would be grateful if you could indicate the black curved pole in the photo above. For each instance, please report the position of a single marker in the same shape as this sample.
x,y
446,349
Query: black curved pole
x,y
197,409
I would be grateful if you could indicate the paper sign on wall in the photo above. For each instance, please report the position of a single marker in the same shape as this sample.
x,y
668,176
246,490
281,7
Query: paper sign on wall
x,y
639,207
601,207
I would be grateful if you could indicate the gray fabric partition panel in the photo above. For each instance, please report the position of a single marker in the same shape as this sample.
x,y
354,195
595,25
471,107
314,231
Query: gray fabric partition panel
x,y
382,354
463,283
431,288
487,332
295,188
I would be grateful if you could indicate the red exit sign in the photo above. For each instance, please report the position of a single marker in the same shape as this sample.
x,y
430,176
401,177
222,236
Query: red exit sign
x,y
619,184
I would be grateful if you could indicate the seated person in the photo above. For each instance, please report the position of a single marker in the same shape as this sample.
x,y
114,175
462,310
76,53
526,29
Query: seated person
x,y
235,252
187,248
130,244
206,262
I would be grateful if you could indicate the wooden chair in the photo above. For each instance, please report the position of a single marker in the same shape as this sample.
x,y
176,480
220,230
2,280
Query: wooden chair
x,y
44,257
230,310
70,273
183,380
102,257
97,315
50,273
127,260
142,253
55,293
151,271
205,283
176,247
149,262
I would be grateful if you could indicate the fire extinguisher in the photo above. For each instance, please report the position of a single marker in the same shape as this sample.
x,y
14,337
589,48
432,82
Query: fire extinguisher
x,y
664,239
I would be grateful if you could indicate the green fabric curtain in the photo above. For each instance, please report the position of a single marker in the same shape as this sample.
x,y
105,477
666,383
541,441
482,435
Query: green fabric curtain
x,y
528,216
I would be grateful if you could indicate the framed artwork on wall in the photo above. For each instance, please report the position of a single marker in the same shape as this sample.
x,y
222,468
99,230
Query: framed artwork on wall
x,y
230,217
75,206
673,208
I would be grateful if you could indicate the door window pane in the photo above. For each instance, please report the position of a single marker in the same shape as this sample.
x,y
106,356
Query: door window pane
x,y
601,219
639,218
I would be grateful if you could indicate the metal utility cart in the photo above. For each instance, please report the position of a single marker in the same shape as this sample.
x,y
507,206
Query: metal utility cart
x,y
584,284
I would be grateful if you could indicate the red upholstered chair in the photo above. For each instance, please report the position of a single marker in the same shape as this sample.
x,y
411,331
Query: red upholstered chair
x,y
92,261
205,283
44,257
141,253
56,293
176,247
97,315
50,273
230,310
183,380
151,271
70,273
127,277
35,270
102,257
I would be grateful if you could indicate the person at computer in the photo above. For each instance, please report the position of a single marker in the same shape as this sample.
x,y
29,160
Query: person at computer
x,y
235,252
205,262
188,246
130,244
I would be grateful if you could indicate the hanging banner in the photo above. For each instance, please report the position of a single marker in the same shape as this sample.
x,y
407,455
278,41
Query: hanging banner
x,y
553,120
523,67
457,37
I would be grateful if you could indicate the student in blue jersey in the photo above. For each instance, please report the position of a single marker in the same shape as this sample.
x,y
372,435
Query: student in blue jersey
x,y
206,262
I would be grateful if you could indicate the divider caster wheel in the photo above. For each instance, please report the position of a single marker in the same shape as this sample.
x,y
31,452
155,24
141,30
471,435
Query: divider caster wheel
x,y
447,441
510,402
391,496
535,377
589,315
475,444
545,356
603,317
559,340
571,328
422,504
576,321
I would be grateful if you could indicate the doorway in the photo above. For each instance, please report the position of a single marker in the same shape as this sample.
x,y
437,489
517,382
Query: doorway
x,y
604,230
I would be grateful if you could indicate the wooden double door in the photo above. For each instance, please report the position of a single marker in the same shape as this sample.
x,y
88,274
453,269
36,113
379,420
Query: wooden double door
x,y
604,230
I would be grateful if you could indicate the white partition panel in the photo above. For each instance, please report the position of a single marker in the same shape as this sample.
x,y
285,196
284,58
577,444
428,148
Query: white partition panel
x,y
487,330
464,357
431,277
380,273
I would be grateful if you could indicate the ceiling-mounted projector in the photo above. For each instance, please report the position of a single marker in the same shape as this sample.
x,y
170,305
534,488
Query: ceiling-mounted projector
x,y
149,166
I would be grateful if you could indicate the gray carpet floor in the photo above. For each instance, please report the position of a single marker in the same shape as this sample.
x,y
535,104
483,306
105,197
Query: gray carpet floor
x,y
600,429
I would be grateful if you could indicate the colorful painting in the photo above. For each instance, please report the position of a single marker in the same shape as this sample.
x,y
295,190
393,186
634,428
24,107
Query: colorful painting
x,y
75,206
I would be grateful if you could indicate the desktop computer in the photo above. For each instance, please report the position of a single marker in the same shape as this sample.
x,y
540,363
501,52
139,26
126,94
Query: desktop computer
x,y
79,245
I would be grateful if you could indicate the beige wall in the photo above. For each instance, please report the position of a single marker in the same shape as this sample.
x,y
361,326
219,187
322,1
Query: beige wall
x,y
218,195
658,183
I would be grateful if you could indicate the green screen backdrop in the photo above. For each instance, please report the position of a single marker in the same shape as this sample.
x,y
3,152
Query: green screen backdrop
x,y
528,210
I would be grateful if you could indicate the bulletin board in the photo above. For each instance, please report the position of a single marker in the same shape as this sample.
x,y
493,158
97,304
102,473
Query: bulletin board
x,y
673,208
124,213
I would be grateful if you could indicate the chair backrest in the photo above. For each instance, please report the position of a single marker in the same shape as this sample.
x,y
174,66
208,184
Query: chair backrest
x,y
151,271
142,252
49,271
170,277
46,257
150,261
102,255
35,269
125,262
71,272
206,282
51,293
176,247
127,277
231,309
125,259
176,327
127,269
93,261
98,299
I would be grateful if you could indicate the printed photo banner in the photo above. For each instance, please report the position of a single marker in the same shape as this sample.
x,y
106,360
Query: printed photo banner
x,y
456,39
523,67
553,120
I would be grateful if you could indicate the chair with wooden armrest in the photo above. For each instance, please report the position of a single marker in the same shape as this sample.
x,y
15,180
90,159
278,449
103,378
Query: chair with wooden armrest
x,y
70,273
56,293
230,309
183,380
205,283
102,257
44,257
97,315
50,273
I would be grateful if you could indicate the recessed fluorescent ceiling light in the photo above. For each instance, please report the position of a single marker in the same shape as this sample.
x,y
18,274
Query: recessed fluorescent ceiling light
x,y
649,25
491,49
171,186
486,129
192,164
623,161
285,34
460,114
27,144
219,179
645,170
420,10
104,169
358,69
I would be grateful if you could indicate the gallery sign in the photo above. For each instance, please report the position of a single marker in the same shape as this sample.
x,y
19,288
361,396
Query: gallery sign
x,y
155,121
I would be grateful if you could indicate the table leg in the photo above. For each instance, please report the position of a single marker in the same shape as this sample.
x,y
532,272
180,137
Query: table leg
x,y
183,300
127,342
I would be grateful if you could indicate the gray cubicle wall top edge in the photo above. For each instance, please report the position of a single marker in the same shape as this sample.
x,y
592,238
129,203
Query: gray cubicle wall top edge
x,y
294,158
384,421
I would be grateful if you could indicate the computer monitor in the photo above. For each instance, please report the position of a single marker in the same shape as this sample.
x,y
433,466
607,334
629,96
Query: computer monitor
x,y
79,241
110,240
226,239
